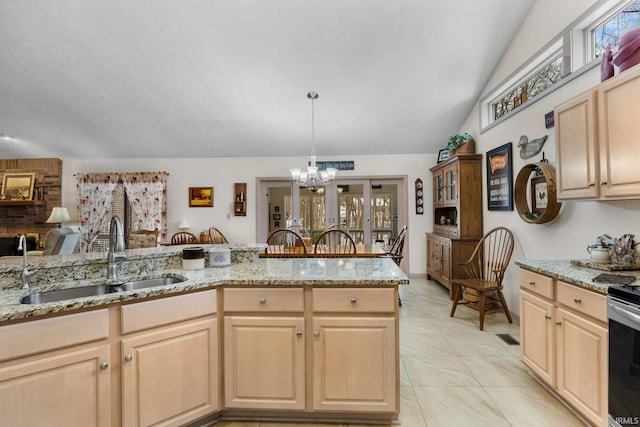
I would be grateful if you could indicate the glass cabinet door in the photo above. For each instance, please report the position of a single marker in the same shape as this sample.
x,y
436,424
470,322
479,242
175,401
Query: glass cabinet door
x,y
451,184
438,188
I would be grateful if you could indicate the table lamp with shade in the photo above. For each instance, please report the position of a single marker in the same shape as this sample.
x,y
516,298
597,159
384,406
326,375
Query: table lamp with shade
x,y
184,225
58,216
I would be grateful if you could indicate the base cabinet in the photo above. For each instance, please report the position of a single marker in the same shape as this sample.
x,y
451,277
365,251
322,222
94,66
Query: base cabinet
x,y
564,341
264,362
169,375
443,258
353,364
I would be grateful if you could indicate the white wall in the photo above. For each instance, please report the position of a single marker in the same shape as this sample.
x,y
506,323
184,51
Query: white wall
x,y
222,173
578,223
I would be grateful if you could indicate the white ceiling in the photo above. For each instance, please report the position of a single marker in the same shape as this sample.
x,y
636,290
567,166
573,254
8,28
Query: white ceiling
x,y
214,78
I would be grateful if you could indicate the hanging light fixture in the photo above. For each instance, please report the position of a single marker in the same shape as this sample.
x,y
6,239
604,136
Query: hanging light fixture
x,y
313,178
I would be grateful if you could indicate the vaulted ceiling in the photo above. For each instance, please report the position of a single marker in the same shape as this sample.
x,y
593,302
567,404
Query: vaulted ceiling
x,y
219,78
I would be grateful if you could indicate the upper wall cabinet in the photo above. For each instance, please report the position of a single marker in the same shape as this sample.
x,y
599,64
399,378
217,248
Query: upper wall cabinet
x,y
597,141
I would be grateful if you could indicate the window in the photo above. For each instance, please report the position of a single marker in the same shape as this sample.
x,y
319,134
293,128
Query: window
x,y
534,84
609,31
569,54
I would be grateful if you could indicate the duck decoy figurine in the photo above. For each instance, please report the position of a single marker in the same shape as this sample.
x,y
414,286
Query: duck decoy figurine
x,y
530,148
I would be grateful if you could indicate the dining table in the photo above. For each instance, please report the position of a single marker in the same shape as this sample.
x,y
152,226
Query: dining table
x,y
363,250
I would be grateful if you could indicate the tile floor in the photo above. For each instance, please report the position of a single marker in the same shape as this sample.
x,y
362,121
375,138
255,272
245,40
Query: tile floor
x,y
452,374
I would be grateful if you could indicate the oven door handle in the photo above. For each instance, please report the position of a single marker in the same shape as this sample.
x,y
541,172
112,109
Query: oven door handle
x,y
629,315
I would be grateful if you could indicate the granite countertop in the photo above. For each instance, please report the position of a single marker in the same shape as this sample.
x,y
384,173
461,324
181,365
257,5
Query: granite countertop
x,y
579,273
265,271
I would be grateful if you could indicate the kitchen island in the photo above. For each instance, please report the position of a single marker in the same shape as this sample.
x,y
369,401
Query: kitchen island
x,y
308,339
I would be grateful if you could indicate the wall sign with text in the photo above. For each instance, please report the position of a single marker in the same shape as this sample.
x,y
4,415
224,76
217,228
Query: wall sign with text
x,y
500,178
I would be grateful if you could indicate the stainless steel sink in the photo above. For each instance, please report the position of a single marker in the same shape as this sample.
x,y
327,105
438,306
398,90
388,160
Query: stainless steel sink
x,y
90,291
65,294
147,283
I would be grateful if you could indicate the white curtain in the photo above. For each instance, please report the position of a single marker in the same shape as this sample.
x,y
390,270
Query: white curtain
x,y
95,197
146,192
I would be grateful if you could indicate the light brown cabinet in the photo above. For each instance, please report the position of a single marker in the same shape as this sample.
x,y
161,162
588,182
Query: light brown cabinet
x,y
457,214
354,350
264,351
564,341
596,141
63,365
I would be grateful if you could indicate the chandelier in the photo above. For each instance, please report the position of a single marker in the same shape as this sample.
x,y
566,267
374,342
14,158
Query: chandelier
x,y
313,178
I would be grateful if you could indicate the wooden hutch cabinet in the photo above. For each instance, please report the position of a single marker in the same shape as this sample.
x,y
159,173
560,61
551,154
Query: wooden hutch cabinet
x,y
457,216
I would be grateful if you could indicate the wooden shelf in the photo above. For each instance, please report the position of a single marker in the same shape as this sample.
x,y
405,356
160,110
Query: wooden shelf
x,y
22,202
240,201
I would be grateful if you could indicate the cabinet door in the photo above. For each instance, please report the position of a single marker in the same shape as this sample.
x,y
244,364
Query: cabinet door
x,y
170,374
578,168
582,353
430,261
536,332
70,389
438,188
619,134
445,268
264,362
354,365
437,260
451,184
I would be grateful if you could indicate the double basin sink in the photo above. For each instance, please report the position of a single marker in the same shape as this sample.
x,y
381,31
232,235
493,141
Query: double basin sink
x,y
90,291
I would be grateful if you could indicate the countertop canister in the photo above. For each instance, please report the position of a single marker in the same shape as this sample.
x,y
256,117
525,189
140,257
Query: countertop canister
x,y
193,258
219,257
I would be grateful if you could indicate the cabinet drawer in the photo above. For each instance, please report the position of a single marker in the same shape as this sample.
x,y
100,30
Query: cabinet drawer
x,y
38,336
583,301
354,300
536,283
264,299
149,314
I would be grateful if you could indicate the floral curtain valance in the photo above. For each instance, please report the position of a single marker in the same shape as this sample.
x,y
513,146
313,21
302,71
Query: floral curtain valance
x,y
146,192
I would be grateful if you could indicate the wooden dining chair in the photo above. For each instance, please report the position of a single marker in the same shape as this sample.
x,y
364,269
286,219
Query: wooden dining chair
x,y
284,242
216,236
183,237
485,270
396,251
142,239
334,242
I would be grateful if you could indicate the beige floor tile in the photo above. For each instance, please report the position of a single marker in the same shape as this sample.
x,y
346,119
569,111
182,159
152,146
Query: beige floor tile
x,y
441,371
531,406
498,371
404,375
424,344
410,412
458,406
418,325
463,346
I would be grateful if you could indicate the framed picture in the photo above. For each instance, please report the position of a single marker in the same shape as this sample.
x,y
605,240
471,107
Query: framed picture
x,y
500,178
200,197
18,186
443,155
276,217
539,195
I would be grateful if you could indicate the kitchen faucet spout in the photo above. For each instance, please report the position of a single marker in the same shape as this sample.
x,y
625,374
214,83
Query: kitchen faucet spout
x,y
116,244
22,245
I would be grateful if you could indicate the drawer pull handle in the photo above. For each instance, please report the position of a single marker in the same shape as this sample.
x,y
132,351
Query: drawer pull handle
x,y
532,283
592,184
299,334
128,358
558,323
103,366
316,334
353,300
263,300
577,300
603,182
546,316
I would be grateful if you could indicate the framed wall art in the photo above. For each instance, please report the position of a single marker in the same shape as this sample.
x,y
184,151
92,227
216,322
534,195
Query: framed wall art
x,y
500,178
18,186
539,194
200,197
443,155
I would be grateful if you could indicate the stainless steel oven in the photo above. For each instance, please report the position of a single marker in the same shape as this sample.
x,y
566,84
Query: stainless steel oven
x,y
623,308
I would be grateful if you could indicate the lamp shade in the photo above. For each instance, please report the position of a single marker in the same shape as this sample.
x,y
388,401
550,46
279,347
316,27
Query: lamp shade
x,y
184,224
58,216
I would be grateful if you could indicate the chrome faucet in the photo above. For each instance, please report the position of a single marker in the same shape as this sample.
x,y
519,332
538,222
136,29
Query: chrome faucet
x,y
22,245
116,244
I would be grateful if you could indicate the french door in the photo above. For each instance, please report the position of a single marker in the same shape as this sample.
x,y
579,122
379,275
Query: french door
x,y
372,210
